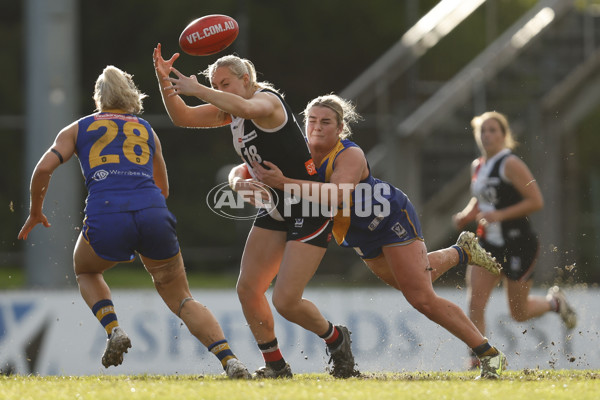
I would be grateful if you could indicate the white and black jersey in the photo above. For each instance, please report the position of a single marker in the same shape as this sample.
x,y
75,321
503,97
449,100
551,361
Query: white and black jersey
x,y
512,242
285,146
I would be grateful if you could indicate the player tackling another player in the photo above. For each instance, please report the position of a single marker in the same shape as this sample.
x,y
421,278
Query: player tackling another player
x,y
394,249
289,247
125,214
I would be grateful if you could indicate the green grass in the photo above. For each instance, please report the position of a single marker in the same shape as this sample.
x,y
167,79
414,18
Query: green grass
x,y
514,385
126,277
136,277
12,278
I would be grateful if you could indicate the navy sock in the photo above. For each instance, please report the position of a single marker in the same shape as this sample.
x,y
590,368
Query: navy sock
x,y
463,257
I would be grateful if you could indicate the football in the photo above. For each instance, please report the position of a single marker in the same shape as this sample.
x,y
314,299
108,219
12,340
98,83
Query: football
x,y
208,35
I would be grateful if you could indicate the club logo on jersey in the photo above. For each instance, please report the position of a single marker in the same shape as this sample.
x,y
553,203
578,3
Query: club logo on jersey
x,y
243,204
399,230
310,167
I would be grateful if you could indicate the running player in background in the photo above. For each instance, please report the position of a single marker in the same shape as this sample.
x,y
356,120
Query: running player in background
x,y
390,242
288,246
505,193
126,213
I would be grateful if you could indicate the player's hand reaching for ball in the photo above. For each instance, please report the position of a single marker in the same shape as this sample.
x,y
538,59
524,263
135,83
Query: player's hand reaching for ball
x,y
162,66
186,85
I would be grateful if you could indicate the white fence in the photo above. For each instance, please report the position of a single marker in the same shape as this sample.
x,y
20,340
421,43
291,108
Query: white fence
x,y
54,333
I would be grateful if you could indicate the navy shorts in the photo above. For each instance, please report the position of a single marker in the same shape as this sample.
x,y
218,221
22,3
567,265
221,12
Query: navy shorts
x,y
400,227
117,236
312,230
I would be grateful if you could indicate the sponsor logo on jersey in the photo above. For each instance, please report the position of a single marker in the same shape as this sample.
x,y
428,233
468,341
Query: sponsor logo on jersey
x,y
100,175
375,223
246,138
124,117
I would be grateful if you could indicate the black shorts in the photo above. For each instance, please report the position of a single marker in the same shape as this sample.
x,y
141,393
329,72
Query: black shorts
x,y
516,257
312,230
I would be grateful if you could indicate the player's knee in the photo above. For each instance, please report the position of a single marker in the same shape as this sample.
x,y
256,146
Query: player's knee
x,y
86,277
285,305
423,304
248,291
170,271
243,290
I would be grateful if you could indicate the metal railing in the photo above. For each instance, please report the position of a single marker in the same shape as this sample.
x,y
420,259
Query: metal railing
x,y
426,33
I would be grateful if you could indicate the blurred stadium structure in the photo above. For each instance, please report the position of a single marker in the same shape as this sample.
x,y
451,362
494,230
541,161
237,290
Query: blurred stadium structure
x,y
543,72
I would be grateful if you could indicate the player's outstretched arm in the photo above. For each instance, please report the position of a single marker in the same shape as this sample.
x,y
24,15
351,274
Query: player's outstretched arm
x,y
61,151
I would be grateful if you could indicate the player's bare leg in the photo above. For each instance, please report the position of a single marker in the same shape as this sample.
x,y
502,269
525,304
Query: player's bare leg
x,y
299,264
440,262
260,264
410,267
96,293
88,268
171,282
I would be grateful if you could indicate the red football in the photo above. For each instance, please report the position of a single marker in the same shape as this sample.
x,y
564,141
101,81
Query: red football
x,y
208,35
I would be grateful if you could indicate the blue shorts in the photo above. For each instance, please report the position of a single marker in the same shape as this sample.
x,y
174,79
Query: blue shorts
x,y
117,236
400,227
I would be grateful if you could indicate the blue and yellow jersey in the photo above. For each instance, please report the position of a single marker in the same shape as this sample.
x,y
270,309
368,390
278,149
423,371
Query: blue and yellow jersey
x,y
341,220
375,206
115,151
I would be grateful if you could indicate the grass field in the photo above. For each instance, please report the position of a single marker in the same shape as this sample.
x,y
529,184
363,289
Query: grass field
x,y
125,276
514,385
